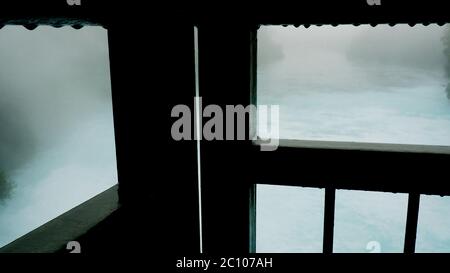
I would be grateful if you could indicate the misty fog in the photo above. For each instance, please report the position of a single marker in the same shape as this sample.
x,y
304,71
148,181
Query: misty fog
x,y
56,130
346,83
378,84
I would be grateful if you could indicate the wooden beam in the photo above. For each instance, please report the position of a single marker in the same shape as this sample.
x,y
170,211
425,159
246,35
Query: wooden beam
x,y
328,223
411,222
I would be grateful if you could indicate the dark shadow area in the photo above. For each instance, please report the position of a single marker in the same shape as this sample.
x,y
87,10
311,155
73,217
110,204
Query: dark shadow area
x,y
152,70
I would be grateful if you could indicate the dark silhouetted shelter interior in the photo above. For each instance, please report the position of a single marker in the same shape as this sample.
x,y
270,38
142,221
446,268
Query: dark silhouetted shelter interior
x,y
152,70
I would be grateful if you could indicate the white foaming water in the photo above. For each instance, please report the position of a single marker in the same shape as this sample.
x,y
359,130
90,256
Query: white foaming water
x,y
61,178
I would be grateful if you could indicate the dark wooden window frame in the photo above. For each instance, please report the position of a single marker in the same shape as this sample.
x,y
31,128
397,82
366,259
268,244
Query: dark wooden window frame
x,y
230,170
54,235
395,168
